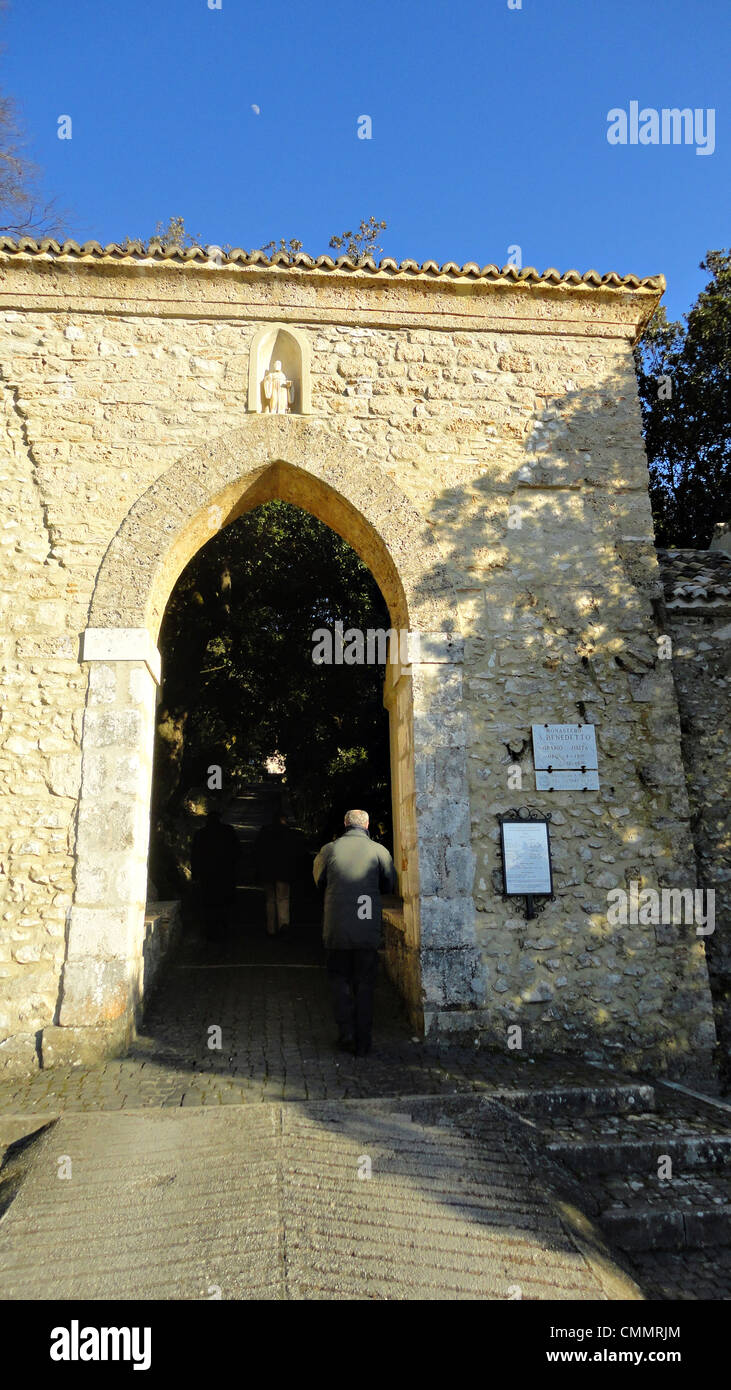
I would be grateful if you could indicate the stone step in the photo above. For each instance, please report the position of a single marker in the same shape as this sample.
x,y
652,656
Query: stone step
x,y
685,1213
635,1142
553,1103
641,1153
594,1135
558,1101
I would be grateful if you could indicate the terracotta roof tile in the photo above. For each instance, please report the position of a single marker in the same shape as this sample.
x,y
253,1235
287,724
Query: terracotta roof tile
x,y
48,248
695,580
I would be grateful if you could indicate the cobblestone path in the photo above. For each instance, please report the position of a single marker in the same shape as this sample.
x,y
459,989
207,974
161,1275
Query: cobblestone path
x,y
269,996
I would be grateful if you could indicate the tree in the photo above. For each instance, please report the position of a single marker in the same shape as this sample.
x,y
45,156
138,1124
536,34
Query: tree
x,y
23,211
684,380
240,682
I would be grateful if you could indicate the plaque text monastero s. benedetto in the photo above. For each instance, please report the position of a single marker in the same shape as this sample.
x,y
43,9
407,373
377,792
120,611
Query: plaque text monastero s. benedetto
x,y
564,746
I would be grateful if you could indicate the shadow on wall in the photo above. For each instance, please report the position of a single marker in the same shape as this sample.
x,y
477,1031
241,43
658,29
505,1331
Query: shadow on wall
x,y
548,533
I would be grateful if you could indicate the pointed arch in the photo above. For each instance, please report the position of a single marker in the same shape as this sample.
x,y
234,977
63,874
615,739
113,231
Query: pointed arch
x,y
305,462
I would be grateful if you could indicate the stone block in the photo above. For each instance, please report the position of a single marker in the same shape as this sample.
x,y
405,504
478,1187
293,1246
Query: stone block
x,y
460,865
84,1047
442,818
450,771
19,1054
437,687
113,729
112,773
92,881
648,689
425,774
539,993
112,827
447,922
102,683
431,877
95,992
434,727
452,978
103,933
64,774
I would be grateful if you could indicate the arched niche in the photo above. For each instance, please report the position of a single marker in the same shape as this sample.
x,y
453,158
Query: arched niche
x,y
277,342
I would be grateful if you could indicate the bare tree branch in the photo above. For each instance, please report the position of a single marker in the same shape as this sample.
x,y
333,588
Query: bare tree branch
x,y
23,211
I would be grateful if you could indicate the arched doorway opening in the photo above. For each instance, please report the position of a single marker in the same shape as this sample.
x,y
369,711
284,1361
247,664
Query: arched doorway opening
x,y
261,717
255,715
110,958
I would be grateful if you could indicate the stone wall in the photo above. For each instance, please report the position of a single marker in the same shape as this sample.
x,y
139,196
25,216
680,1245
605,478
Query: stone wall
x,y
478,442
697,587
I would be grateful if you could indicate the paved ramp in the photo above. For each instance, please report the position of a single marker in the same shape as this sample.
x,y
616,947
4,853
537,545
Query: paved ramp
x,y
275,1202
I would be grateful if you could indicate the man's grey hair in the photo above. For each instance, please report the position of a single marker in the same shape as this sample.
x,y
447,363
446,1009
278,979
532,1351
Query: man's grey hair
x,y
357,818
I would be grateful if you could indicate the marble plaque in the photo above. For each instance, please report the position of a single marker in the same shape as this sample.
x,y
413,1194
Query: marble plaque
x,y
564,746
567,781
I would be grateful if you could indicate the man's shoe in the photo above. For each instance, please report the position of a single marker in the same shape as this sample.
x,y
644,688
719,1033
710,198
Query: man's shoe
x,y
362,1049
345,1045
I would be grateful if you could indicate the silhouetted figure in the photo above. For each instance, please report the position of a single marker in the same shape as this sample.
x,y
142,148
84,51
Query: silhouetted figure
x,y
353,871
279,852
214,861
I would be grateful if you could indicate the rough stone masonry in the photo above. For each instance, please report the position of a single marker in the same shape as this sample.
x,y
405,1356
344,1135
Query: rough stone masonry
x,y
475,436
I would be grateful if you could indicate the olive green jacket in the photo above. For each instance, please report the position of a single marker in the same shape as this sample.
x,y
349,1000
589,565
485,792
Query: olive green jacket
x,y
353,872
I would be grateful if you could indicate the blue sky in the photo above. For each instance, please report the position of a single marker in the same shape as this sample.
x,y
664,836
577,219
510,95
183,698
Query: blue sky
x,y
489,125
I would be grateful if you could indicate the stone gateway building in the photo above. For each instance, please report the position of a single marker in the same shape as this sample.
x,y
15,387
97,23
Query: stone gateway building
x,y
474,434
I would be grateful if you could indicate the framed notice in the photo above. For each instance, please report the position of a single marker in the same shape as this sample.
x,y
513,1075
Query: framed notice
x,y
526,851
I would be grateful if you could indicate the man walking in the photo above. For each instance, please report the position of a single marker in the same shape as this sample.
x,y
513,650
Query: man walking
x,y
214,862
278,854
354,872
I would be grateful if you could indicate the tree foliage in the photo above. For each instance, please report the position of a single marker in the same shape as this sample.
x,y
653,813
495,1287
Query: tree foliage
x,y
240,683
684,378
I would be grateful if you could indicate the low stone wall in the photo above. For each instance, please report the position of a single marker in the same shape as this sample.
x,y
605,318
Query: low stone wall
x,y
402,964
81,1046
163,925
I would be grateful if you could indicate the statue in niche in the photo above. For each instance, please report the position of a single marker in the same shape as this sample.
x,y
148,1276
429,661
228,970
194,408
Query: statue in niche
x,y
278,392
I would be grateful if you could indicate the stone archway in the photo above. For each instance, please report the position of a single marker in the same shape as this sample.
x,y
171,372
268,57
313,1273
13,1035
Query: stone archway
x,y
109,963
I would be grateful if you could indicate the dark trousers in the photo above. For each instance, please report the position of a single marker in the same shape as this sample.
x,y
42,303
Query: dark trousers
x,y
353,982
215,901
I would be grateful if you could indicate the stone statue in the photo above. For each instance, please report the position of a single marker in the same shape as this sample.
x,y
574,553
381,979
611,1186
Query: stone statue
x,y
279,392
